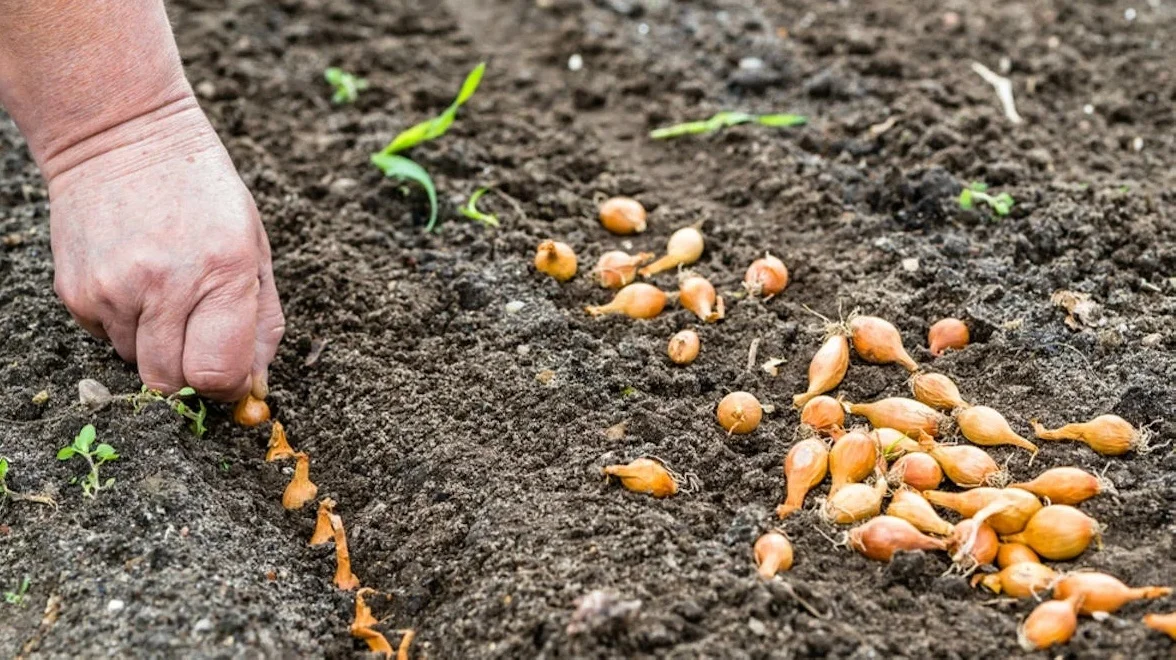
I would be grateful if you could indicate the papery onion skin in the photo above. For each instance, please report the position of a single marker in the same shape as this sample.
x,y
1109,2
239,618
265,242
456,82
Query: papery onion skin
x,y
913,508
901,414
1101,592
1009,554
645,475
852,459
616,269
1050,623
1007,510
1058,532
805,466
773,554
250,411
937,391
766,276
684,248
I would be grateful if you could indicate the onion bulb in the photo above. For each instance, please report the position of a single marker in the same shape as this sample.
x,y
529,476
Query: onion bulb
x,y
1059,532
917,470
987,427
683,347
1109,435
826,369
322,523
1050,623
556,259
966,466
973,543
805,466
1021,580
279,446
823,414
300,489
937,391
915,509
877,340
739,413
645,475
615,269
362,625
895,443
638,301
945,334
1102,592
697,294
904,415
851,459
1066,485
683,248
855,502
1165,623
879,538
1008,510
622,215
767,276
250,411
344,578
773,554
1009,554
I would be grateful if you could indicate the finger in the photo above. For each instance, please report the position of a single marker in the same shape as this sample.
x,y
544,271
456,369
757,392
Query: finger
x,y
219,340
159,342
122,333
271,325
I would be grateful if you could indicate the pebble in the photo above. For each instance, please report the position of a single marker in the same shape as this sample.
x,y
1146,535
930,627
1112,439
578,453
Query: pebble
x,y
202,626
910,265
757,627
575,62
115,605
514,306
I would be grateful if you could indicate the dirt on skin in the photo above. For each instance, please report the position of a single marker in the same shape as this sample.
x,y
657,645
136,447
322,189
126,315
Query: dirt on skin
x,y
464,442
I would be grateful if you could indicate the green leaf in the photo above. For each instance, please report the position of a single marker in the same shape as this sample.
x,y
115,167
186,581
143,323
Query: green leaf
x,y
186,391
3,468
680,130
109,483
966,199
403,169
105,452
437,126
85,438
781,120
66,453
333,74
197,425
470,210
979,186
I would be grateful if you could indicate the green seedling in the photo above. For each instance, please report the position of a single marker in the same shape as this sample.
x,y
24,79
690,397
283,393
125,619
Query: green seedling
x,y
402,168
347,86
978,191
195,417
724,120
17,597
7,493
96,457
471,211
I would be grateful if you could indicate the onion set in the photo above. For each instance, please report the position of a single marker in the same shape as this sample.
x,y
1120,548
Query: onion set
x,y
767,276
773,554
697,294
878,341
556,259
637,301
1008,510
1101,592
917,470
684,248
903,415
1165,623
986,427
805,466
615,269
301,489
1066,485
937,391
344,578
279,447
683,347
622,215
1009,554
945,334
362,627
1021,580
251,411
1050,623
879,538
965,465
1109,435
739,413
1059,532
323,532
915,509
823,414
852,459
645,475
826,369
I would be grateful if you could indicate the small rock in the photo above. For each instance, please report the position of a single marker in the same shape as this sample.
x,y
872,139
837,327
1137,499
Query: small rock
x,y
1151,340
115,605
514,306
751,63
206,89
202,626
342,185
910,265
602,611
575,62
41,398
757,627
94,396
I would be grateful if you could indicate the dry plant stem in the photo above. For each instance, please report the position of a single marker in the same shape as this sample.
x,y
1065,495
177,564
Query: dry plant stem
x,y
1004,90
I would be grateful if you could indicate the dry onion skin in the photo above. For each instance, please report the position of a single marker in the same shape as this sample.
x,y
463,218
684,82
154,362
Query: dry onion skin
x,y
879,538
1066,485
684,248
615,269
301,489
323,533
937,391
766,276
915,509
966,466
637,301
1059,532
556,259
739,413
361,626
805,466
622,215
973,543
1008,510
988,428
894,442
945,334
1021,580
279,445
1103,593
901,414
855,502
852,459
1009,554
1109,435
250,411
344,578
1165,623
878,341
697,294
773,554
827,368
645,475
683,347
918,470
823,414
1050,623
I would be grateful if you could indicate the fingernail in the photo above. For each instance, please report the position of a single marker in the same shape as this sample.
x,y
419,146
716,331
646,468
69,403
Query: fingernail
x,y
260,387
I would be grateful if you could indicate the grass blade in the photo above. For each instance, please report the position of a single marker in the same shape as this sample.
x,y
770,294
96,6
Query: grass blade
x,y
403,169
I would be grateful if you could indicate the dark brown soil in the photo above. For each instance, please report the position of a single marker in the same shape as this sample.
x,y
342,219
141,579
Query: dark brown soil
x,y
471,486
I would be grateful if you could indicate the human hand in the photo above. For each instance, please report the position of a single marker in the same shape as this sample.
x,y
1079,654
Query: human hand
x,y
159,248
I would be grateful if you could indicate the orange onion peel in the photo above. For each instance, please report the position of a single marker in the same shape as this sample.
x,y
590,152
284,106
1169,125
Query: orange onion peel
x,y
279,447
362,625
344,578
301,489
323,532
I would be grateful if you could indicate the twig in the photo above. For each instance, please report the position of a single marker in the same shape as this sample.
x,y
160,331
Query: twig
x,y
1004,90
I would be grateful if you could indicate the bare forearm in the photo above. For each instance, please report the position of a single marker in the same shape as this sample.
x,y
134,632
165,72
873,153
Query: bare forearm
x,y
71,69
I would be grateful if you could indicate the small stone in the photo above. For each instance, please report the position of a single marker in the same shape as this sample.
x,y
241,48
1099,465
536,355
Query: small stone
x,y
575,62
545,377
757,627
1129,14
751,63
910,265
115,605
514,306
41,398
94,396
1151,340
206,89
1088,109
342,185
202,626
1137,144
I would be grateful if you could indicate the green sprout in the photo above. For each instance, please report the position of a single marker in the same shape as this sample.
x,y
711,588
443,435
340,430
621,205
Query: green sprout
x,y
347,85
17,597
471,211
405,169
628,391
194,417
1000,204
7,493
724,120
95,458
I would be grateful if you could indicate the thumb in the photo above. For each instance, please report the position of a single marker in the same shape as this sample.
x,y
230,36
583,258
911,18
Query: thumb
x,y
271,325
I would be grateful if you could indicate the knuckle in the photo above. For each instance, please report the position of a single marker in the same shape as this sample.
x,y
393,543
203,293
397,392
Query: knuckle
x,y
216,380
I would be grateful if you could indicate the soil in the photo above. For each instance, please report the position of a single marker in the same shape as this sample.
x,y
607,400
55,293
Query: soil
x,y
464,442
